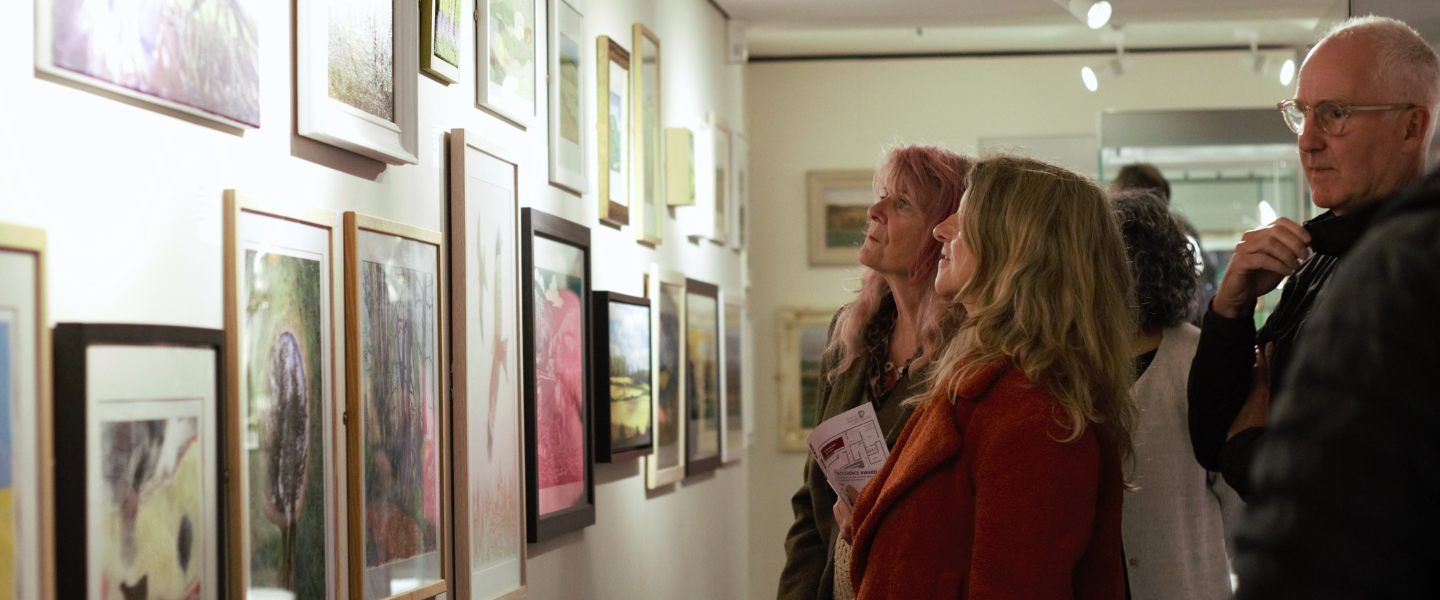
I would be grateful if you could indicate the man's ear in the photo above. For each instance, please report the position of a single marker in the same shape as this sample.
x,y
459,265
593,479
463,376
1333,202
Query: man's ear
x,y
1417,122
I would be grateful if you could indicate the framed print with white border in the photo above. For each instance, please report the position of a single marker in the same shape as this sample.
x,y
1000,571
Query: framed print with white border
x,y
507,76
442,38
666,464
567,98
27,544
837,222
612,127
647,140
722,199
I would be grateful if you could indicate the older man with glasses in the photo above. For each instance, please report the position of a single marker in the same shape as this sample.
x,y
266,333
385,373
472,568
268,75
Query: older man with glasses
x,y
1364,113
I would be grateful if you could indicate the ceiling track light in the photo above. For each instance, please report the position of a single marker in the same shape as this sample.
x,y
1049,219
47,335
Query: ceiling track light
x,y
1266,65
1090,12
1113,69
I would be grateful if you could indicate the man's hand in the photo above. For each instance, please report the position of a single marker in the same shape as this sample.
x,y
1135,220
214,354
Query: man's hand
x,y
1256,412
1263,259
842,518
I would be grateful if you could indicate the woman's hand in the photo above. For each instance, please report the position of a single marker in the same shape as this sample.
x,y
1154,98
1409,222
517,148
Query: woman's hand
x,y
842,518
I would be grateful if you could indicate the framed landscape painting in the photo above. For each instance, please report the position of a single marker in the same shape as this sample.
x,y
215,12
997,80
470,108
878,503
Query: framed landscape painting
x,y
666,464
440,39
199,57
555,266
282,413
567,106
612,82
720,206
622,376
803,335
839,202
649,176
486,352
356,76
505,77
733,447
703,404
398,417
139,461
26,542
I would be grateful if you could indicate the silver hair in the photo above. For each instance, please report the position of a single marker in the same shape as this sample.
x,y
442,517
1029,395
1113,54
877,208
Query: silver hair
x,y
1408,65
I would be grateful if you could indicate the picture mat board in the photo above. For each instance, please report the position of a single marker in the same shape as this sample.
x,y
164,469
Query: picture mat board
x,y
567,98
804,333
624,400
612,125
837,221
647,138
21,391
679,167
487,345
666,464
506,76
442,37
703,404
733,386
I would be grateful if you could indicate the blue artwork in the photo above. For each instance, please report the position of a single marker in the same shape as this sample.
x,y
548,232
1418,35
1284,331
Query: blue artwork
x,y
6,443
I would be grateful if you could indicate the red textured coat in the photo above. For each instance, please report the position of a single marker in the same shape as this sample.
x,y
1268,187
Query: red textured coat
x,y
978,500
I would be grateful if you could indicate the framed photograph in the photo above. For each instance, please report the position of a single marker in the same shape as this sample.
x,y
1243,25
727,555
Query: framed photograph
x,y
703,404
612,82
740,190
440,39
622,379
720,207
357,76
733,388
679,167
803,335
555,264
397,420
567,110
506,74
649,174
201,60
139,462
838,221
280,398
485,354
26,525
666,464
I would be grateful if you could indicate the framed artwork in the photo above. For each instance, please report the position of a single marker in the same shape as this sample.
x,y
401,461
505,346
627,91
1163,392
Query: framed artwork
x,y
485,354
280,398
838,221
703,405
201,59
505,77
397,420
26,535
440,39
357,76
720,208
139,462
679,167
666,463
733,388
612,124
555,264
622,378
567,112
740,190
649,175
803,335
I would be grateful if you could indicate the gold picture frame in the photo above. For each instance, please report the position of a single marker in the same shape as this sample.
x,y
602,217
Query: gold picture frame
x,y
799,365
838,201
647,140
612,142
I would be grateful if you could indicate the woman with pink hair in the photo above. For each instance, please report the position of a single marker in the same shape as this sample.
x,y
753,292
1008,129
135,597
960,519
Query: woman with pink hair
x,y
881,343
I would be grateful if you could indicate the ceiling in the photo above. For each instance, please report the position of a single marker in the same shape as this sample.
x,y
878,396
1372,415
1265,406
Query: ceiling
x,y
799,28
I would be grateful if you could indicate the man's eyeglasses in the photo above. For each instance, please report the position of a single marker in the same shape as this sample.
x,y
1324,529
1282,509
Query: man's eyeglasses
x,y
1332,116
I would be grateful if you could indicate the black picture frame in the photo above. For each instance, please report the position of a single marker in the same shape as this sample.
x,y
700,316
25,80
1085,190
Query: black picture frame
x,y
535,224
600,361
71,342
695,463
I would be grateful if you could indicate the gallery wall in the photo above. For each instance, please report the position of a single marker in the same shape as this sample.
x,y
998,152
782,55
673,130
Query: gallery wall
x,y
806,116
131,196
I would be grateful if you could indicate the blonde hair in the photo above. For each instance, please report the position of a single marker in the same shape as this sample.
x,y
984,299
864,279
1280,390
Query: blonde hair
x,y
1051,294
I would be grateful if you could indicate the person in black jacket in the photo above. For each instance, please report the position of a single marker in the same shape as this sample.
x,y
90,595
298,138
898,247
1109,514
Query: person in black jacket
x,y
1364,112
1344,494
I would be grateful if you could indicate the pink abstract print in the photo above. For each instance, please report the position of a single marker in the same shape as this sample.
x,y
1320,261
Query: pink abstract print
x,y
559,391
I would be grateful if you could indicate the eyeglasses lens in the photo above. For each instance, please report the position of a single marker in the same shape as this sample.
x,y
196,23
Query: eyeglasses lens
x,y
1294,117
1330,117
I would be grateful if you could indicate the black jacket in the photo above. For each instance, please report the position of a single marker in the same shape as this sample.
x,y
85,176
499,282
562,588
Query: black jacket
x,y
1347,484
1220,371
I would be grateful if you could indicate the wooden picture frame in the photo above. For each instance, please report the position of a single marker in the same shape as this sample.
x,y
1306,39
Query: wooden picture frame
x,y
389,298
442,39
555,279
612,131
732,388
485,353
25,384
801,331
369,121
567,98
140,392
286,338
647,139
507,37
615,319
704,306
721,194
666,463
838,203
679,167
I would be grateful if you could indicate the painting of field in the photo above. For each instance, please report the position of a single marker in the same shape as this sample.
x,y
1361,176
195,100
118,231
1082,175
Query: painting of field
x,y
199,53
629,376
734,409
668,416
702,375
619,123
7,462
572,31
447,31
812,347
362,57
650,107
512,47
559,288
284,425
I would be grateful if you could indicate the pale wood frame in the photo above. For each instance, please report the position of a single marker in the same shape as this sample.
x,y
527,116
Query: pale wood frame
x,y
459,560
645,205
237,202
31,240
789,321
679,167
730,454
816,184
429,63
612,213
354,223
576,182
482,67
654,475
720,161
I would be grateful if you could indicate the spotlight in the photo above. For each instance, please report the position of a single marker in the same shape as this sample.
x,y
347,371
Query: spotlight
x,y
1112,69
1287,72
1094,14
1088,76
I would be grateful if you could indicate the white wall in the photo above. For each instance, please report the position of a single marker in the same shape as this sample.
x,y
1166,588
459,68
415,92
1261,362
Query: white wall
x,y
130,198
839,115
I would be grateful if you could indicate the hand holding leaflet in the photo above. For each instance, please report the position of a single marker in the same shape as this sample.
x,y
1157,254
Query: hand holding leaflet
x,y
850,448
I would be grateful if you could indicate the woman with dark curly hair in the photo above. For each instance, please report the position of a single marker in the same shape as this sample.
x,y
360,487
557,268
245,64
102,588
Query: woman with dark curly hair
x,y
1173,524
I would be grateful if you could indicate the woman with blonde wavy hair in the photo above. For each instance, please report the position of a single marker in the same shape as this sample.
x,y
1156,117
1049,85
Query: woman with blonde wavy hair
x,y
1007,481
881,343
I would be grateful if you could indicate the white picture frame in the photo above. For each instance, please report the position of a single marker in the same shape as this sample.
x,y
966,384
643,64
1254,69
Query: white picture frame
x,y
567,106
25,395
506,100
739,190
666,464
